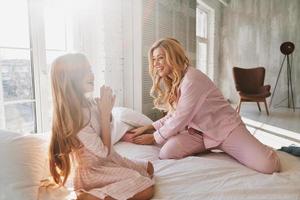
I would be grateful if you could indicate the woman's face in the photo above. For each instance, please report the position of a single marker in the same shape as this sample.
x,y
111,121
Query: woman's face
x,y
160,62
88,79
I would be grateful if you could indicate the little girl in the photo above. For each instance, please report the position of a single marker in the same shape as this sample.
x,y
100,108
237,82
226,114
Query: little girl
x,y
81,130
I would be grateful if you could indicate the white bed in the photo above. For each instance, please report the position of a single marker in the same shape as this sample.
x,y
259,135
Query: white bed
x,y
210,176
206,177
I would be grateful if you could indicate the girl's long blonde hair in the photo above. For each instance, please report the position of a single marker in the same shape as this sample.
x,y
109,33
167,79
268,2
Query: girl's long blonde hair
x,y
165,89
68,99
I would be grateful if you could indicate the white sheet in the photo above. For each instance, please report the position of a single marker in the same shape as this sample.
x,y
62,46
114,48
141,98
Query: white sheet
x,y
213,176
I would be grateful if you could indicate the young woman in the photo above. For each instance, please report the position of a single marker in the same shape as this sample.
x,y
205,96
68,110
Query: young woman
x,y
81,129
199,118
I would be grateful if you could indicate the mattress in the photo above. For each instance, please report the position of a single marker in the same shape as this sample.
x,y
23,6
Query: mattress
x,y
208,176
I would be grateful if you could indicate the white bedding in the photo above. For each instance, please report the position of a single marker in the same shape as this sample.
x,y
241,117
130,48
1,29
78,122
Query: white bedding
x,y
210,176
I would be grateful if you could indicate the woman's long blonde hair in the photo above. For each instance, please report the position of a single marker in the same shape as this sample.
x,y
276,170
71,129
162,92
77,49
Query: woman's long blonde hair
x,y
68,99
165,89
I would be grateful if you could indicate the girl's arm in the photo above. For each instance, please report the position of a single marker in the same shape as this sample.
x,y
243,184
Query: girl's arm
x,y
105,105
105,131
92,142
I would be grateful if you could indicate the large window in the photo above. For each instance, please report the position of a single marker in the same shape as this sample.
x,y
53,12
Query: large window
x,y
205,38
17,95
34,33
25,95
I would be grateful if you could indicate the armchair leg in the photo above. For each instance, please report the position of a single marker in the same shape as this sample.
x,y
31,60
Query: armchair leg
x,y
258,106
266,106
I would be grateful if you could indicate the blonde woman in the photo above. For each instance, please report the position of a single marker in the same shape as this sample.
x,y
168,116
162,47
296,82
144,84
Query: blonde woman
x,y
81,129
199,118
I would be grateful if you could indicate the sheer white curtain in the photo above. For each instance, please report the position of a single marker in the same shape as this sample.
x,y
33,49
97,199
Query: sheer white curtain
x,y
97,32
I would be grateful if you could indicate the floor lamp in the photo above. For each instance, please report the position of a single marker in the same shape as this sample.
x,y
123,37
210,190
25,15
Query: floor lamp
x,y
287,49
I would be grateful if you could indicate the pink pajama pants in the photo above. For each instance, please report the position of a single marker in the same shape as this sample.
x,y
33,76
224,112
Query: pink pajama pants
x,y
240,144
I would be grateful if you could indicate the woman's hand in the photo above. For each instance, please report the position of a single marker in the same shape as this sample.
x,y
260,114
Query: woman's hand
x,y
141,135
106,102
144,139
141,130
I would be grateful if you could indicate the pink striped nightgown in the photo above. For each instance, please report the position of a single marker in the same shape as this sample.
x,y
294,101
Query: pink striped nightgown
x,y
104,175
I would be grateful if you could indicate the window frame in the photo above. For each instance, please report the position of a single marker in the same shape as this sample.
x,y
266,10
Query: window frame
x,y
39,59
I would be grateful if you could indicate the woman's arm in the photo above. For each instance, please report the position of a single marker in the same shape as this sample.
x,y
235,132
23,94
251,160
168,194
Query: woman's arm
x,y
144,139
144,134
193,94
142,130
159,123
149,128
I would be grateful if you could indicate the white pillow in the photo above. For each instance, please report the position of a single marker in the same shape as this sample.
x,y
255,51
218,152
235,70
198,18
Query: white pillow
x,y
119,128
125,119
22,165
131,117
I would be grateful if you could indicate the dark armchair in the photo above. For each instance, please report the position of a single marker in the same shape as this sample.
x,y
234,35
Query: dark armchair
x,y
250,85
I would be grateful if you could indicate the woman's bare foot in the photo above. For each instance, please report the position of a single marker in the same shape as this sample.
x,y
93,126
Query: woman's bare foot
x,y
150,169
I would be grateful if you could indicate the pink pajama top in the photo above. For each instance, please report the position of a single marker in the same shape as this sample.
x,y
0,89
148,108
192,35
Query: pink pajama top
x,y
200,106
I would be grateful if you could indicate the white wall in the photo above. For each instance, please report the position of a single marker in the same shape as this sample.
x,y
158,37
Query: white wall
x,y
252,33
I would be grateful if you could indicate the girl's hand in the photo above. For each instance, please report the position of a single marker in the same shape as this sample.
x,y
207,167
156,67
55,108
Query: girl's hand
x,y
105,105
106,101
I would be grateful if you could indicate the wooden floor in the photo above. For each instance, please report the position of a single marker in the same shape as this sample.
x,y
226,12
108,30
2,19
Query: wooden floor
x,y
280,128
